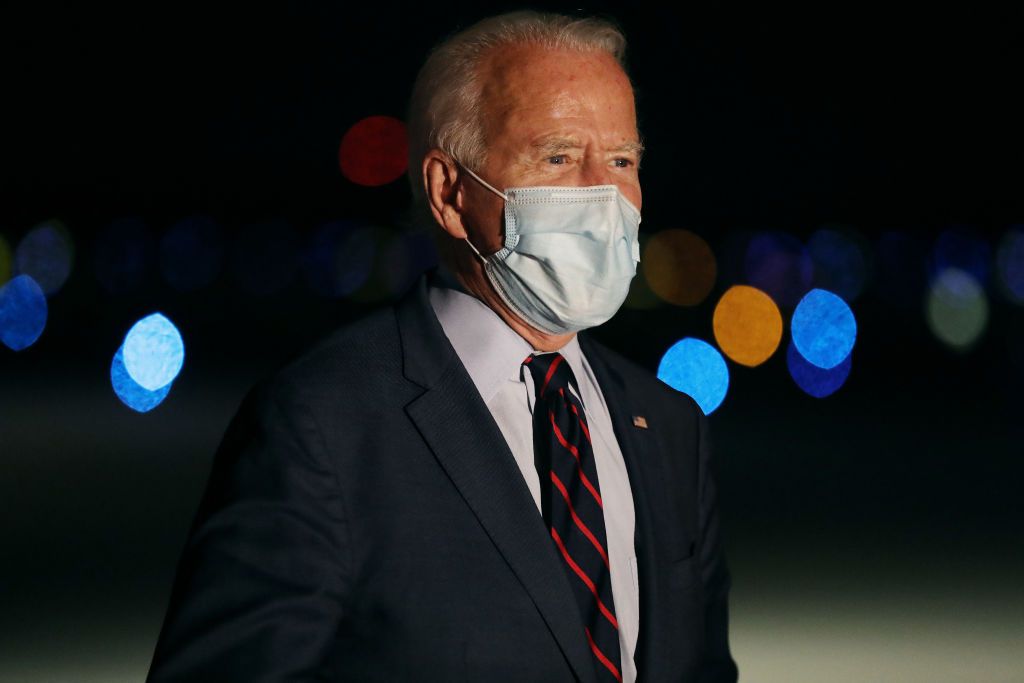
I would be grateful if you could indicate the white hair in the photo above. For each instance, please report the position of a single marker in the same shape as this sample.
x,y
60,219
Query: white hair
x,y
445,108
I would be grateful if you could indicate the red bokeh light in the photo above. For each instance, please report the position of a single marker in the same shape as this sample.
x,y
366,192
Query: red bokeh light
x,y
374,151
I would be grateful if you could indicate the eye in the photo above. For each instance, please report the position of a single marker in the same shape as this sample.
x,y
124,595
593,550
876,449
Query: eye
x,y
629,162
558,156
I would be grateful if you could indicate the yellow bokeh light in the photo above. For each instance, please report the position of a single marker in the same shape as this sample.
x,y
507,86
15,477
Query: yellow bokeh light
x,y
747,325
679,266
956,308
5,260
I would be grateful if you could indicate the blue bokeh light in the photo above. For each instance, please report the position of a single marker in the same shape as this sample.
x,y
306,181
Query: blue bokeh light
x,y
961,247
779,265
125,256
696,368
264,258
1010,264
901,276
153,352
131,394
815,381
23,312
45,253
405,256
840,262
339,258
192,253
823,328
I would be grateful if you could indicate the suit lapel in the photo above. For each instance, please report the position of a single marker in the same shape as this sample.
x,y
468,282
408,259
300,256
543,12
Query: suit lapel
x,y
641,452
469,446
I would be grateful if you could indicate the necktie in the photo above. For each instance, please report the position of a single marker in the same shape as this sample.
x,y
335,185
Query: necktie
x,y
571,504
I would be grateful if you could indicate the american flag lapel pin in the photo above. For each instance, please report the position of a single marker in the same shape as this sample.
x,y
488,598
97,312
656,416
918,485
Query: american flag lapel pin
x,y
640,421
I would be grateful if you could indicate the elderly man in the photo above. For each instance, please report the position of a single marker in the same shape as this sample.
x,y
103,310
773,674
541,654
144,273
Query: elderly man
x,y
461,487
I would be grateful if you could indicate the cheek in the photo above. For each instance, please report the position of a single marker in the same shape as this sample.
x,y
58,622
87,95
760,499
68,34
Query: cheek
x,y
494,230
632,193
485,222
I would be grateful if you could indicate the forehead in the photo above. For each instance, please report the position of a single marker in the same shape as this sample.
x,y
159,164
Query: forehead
x,y
529,90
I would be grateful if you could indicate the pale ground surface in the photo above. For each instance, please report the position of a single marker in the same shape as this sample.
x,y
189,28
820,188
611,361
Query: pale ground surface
x,y
94,522
925,637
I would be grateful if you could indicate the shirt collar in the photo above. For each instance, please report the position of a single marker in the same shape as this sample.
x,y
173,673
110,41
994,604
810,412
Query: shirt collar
x,y
491,350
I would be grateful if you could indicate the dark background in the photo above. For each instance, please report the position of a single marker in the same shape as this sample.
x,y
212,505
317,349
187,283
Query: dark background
x,y
873,535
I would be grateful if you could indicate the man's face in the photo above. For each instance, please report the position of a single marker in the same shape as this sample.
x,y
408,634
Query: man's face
x,y
551,118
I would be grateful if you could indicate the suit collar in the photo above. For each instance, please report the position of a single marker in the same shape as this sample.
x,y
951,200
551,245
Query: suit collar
x,y
491,350
470,448
426,352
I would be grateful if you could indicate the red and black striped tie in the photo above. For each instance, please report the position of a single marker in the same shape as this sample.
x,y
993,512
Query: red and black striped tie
x,y
572,505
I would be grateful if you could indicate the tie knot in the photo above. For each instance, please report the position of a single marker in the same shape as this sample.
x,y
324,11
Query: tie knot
x,y
551,373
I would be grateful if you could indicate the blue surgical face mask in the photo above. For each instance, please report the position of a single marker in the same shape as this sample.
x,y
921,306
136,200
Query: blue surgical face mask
x,y
569,254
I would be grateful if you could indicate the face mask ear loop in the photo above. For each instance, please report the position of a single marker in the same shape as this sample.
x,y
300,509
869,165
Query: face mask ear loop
x,y
484,182
492,189
475,250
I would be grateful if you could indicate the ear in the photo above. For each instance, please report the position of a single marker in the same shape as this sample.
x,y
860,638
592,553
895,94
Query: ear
x,y
443,191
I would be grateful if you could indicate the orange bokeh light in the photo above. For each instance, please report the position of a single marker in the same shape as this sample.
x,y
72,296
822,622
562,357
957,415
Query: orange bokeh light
x,y
747,325
679,266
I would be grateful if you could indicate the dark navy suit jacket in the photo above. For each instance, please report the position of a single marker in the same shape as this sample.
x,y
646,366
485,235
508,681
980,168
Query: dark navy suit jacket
x,y
365,521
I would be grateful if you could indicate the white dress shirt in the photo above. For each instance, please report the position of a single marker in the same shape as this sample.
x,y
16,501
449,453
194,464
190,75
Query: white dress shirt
x,y
492,353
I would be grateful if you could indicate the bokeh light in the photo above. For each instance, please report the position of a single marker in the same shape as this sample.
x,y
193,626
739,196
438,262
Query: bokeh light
x,y
679,267
823,328
902,275
964,249
374,151
778,264
640,296
375,288
153,352
46,253
5,260
406,255
192,253
400,256
22,312
264,257
131,394
956,308
696,368
339,258
1010,265
812,380
747,325
840,258
125,256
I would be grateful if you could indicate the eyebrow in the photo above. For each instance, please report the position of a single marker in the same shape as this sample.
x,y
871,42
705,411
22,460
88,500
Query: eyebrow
x,y
631,146
558,144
